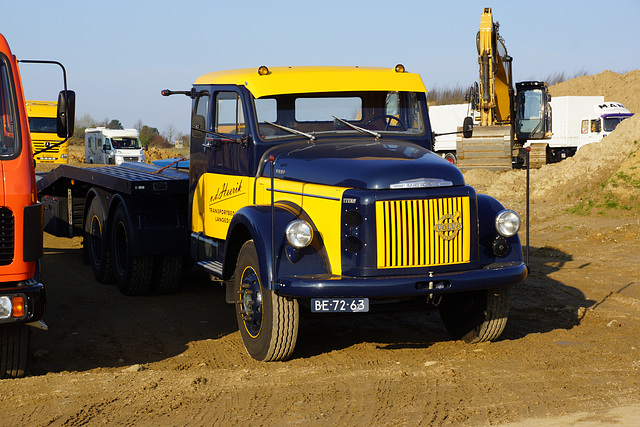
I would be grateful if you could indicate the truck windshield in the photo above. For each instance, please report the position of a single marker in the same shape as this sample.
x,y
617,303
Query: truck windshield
x,y
610,123
530,112
386,113
9,140
43,124
120,143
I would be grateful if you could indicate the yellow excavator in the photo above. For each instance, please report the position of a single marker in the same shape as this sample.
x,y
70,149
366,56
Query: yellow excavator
x,y
507,119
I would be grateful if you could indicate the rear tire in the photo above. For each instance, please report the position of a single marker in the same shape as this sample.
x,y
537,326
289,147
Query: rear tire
x,y
167,270
97,244
14,346
268,322
133,274
476,316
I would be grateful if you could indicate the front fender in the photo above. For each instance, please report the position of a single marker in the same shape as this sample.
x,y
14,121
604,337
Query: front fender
x,y
254,222
488,208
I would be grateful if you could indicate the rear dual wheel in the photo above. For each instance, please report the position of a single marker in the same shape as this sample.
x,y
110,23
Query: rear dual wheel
x,y
133,274
111,256
98,247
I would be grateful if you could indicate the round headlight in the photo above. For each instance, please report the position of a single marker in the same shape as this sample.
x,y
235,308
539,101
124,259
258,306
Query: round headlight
x,y
507,223
299,233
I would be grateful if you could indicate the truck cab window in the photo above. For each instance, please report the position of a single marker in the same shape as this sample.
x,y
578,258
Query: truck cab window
x,y
201,107
229,117
318,109
611,123
8,137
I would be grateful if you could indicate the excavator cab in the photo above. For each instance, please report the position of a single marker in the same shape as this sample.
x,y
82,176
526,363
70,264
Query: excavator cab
x,y
533,113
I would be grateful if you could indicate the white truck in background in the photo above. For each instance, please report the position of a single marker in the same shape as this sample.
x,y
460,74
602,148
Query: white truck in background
x,y
581,120
576,121
112,146
443,119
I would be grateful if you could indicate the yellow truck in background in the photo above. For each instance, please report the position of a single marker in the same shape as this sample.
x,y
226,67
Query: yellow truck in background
x,y
48,147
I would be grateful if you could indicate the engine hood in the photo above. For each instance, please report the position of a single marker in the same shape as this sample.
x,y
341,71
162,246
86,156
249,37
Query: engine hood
x,y
362,164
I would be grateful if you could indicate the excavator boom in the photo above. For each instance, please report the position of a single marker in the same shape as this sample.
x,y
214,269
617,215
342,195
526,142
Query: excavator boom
x,y
495,80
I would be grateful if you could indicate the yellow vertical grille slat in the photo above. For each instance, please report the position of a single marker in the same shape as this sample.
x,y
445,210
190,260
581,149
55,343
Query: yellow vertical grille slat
x,y
420,233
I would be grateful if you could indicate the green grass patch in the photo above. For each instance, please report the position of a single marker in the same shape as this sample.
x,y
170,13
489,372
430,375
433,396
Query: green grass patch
x,y
601,206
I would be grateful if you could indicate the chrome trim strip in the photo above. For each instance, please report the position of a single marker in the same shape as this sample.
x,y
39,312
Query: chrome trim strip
x,y
307,195
212,266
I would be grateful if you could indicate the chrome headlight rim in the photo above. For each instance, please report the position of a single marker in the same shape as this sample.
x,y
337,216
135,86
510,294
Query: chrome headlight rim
x,y
299,233
507,223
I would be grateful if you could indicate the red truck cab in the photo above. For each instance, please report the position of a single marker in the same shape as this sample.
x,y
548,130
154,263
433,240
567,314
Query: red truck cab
x,y
22,295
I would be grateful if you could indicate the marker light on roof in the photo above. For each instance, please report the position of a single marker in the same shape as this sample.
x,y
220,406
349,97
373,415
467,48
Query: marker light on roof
x,y
399,68
263,71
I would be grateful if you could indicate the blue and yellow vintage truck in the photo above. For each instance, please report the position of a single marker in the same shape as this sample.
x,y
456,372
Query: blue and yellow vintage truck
x,y
308,188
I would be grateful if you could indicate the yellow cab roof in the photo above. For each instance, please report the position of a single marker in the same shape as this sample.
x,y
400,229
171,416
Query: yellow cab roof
x,y
285,80
41,108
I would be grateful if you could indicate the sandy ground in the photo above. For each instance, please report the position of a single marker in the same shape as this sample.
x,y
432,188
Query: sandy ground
x,y
570,353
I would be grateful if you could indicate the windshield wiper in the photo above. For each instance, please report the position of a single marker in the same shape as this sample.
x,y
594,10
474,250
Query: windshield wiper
x,y
358,128
296,132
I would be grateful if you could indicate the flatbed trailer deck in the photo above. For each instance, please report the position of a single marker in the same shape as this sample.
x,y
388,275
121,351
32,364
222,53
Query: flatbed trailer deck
x,y
142,208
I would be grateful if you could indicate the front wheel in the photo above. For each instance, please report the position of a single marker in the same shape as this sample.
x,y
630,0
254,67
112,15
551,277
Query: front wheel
x,y
14,346
268,322
476,316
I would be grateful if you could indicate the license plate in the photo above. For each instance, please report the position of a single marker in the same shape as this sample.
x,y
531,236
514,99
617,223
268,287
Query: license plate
x,y
339,305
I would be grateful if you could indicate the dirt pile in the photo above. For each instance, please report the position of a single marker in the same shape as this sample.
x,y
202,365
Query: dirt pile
x,y
610,168
76,154
616,87
153,154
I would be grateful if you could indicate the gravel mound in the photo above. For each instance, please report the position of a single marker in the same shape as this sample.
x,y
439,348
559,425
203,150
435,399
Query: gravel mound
x,y
612,165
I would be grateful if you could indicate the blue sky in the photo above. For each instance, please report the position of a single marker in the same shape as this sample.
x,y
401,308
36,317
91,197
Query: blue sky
x,y
120,54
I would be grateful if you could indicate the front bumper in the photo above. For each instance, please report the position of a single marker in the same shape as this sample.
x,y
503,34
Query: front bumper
x,y
328,286
33,298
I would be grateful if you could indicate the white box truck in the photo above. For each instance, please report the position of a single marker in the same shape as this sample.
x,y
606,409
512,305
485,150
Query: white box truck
x,y
443,119
112,146
581,120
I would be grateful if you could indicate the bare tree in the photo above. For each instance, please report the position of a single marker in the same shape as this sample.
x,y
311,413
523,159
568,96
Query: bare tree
x,y
85,121
169,132
138,125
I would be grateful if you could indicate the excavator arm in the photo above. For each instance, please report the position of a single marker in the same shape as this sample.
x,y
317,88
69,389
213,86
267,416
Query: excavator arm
x,y
495,80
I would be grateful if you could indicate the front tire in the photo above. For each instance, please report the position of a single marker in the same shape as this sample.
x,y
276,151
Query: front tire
x,y
133,274
14,346
268,322
476,316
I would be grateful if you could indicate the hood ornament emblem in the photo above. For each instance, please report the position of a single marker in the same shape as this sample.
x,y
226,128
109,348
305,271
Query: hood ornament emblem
x,y
448,226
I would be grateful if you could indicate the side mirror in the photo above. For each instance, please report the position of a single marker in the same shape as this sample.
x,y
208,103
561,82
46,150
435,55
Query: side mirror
x,y
467,127
105,147
65,116
197,123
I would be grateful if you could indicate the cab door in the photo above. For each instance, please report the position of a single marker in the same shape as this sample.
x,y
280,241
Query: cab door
x,y
224,187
